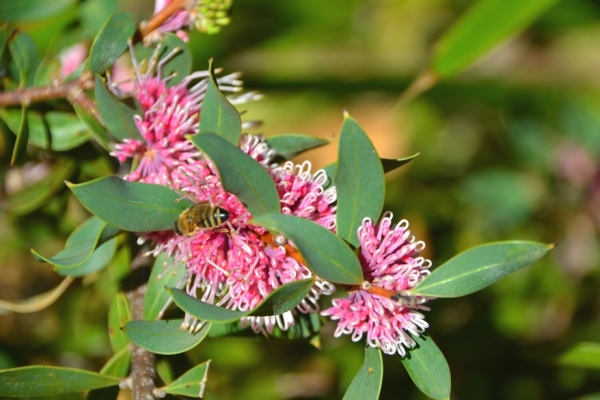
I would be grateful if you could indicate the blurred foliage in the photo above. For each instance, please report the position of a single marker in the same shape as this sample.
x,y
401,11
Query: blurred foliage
x,y
511,150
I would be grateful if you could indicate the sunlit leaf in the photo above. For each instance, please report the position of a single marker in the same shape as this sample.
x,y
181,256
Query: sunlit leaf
x,y
98,260
20,148
131,206
428,369
119,314
240,174
582,355
47,381
160,278
80,244
291,144
111,42
478,267
359,181
191,383
280,300
325,254
117,113
164,337
485,24
218,116
367,382
24,53
66,129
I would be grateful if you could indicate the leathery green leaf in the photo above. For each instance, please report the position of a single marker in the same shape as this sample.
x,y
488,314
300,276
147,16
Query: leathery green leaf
x,y
93,126
36,195
191,383
117,113
240,174
485,24
40,380
80,244
367,382
164,337
111,41
359,181
218,116
66,129
280,300
98,260
428,368
480,266
323,252
20,148
119,314
291,144
131,206
161,277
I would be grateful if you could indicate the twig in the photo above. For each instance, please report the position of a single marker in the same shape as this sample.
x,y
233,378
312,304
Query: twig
x,y
161,16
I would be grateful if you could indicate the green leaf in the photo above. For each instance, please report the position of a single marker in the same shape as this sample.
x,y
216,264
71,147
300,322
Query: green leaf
x,y
478,267
37,381
36,195
330,171
325,254
118,365
164,337
111,42
240,174
117,113
24,53
582,355
359,181
119,314
94,127
80,244
180,65
98,260
291,144
218,116
20,148
284,298
485,24
191,383
428,369
131,206
391,164
280,300
67,130
156,294
367,382
30,10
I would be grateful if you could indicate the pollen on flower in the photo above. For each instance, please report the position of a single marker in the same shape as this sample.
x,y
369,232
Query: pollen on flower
x,y
383,307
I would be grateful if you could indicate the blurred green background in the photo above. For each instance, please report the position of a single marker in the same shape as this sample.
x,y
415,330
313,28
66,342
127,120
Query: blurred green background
x,y
510,150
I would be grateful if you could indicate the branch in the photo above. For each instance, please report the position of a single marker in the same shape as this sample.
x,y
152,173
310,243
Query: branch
x,y
161,16
143,371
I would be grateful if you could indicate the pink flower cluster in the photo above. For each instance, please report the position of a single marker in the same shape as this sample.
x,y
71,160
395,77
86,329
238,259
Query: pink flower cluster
x,y
230,267
389,260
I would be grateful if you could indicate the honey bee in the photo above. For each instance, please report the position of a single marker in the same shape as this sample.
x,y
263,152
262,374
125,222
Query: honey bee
x,y
200,216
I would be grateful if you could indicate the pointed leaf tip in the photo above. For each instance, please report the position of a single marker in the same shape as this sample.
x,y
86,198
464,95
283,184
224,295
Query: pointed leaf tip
x,y
346,114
